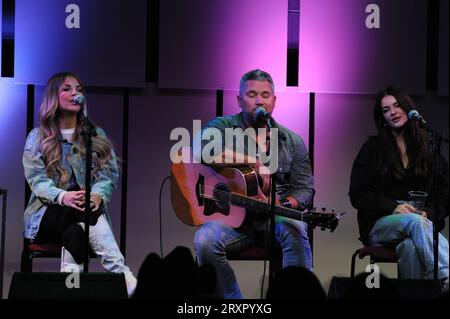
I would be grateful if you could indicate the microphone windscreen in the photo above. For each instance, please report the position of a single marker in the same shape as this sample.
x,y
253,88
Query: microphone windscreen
x,y
79,99
413,114
261,112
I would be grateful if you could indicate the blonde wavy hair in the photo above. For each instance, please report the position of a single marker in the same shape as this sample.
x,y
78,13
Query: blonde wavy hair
x,y
49,130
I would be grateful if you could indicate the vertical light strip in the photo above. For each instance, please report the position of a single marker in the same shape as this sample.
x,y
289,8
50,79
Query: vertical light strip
x,y
8,35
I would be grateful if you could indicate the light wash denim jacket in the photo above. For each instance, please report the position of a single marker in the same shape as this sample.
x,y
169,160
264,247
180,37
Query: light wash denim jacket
x,y
45,190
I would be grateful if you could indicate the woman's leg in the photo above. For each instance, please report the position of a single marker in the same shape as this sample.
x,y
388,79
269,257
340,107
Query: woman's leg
x,y
58,226
104,245
393,229
409,264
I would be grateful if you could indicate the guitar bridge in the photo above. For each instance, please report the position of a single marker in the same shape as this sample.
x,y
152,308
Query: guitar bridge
x,y
200,190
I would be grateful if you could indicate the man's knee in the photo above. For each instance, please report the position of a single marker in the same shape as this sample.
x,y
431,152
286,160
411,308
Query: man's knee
x,y
294,227
205,236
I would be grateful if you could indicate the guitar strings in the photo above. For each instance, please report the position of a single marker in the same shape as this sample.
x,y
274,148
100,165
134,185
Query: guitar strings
x,y
227,196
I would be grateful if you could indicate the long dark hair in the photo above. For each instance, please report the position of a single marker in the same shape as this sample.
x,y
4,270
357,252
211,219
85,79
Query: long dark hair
x,y
415,137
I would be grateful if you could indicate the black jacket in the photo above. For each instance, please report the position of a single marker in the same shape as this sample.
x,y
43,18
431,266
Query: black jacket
x,y
374,188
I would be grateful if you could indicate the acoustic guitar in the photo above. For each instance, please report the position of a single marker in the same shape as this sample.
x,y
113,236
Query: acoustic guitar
x,y
203,193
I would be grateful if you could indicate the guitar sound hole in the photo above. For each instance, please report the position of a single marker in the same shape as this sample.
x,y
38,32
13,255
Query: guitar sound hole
x,y
222,196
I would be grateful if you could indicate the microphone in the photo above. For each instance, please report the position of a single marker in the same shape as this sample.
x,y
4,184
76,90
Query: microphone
x,y
79,99
415,115
262,114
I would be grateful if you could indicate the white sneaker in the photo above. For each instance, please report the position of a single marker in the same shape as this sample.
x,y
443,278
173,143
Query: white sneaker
x,y
68,263
131,283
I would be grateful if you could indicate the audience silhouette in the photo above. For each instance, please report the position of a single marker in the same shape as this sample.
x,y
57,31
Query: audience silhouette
x,y
174,277
177,276
295,283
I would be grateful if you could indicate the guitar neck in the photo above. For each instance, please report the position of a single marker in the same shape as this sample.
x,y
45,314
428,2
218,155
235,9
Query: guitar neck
x,y
260,206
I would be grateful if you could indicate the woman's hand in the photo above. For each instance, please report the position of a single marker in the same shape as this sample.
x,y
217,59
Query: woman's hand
x,y
407,208
74,199
404,208
96,202
423,214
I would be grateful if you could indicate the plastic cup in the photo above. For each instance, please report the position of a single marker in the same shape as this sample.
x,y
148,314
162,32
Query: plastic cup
x,y
418,199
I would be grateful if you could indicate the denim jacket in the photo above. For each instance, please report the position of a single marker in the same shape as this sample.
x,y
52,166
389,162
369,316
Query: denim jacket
x,y
294,175
45,190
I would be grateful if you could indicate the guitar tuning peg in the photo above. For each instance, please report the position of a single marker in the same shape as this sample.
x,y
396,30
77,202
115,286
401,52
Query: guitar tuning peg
x,y
314,208
322,228
324,209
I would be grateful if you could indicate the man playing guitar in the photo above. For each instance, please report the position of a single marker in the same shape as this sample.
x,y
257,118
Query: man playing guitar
x,y
294,187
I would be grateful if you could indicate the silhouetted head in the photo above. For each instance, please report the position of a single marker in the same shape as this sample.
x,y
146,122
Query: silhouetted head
x,y
295,283
149,278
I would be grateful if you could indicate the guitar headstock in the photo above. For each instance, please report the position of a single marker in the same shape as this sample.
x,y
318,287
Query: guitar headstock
x,y
323,218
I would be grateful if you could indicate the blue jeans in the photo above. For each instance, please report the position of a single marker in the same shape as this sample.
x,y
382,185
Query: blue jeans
x,y
412,235
214,238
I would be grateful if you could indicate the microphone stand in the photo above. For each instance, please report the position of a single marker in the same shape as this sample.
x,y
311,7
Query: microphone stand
x,y
272,215
272,227
88,132
4,194
436,139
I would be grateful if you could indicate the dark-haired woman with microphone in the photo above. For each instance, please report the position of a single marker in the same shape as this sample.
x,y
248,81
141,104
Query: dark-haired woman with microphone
x,y
54,164
389,166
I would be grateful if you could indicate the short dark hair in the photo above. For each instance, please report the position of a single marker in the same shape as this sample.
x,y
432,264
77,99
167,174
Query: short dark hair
x,y
257,75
